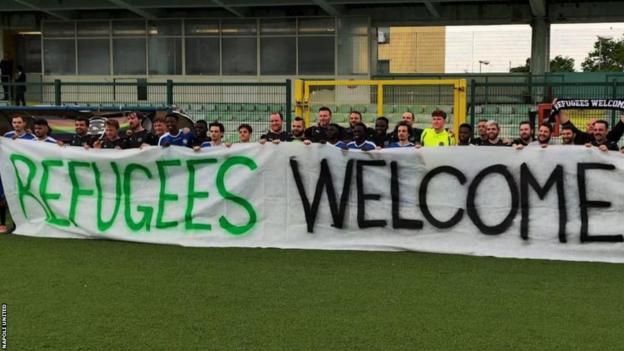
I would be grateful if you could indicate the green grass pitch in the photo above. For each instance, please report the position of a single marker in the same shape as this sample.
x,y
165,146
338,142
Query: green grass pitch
x,y
105,295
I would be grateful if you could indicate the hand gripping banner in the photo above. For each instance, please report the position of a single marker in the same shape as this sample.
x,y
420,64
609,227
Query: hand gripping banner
x,y
555,203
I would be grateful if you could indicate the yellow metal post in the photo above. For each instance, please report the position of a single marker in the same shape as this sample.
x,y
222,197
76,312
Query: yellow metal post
x,y
306,103
380,99
299,98
459,105
459,94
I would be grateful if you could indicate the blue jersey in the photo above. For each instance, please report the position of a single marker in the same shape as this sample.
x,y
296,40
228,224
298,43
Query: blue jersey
x,y
25,136
180,139
396,144
1,190
365,146
209,144
341,145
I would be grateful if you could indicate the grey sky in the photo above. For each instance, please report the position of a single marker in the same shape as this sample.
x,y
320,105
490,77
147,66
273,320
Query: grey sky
x,y
509,45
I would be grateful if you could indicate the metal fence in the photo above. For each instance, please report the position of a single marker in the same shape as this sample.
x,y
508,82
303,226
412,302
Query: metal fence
x,y
388,98
229,103
508,99
511,103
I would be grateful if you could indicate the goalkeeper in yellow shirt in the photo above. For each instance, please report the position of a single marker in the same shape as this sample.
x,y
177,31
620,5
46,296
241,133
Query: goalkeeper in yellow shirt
x,y
437,135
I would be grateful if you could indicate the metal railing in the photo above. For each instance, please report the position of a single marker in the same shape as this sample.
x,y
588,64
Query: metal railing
x,y
511,103
229,103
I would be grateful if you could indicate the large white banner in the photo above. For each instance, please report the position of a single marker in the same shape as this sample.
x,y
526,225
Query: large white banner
x,y
555,203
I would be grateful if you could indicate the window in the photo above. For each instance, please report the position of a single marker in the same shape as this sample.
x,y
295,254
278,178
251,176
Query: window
x,y
278,46
59,56
316,46
165,28
202,56
93,56
59,29
316,55
239,27
239,47
129,28
93,47
203,47
165,47
353,55
201,28
278,55
165,55
317,26
94,29
129,51
231,46
29,52
278,27
129,56
239,56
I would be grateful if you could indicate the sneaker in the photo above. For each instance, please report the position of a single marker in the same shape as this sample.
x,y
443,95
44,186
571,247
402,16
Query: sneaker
x,y
3,229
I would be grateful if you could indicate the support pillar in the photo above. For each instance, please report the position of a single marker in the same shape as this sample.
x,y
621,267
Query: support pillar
x,y
540,45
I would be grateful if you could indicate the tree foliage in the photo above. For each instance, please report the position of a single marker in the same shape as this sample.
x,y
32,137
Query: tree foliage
x,y
526,68
562,64
607,56
557,64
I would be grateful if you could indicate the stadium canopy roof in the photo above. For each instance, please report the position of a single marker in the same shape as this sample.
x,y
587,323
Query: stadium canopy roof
x,y
16,13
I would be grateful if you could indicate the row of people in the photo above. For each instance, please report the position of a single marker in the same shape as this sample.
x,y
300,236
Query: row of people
x,y
597,135
165,132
